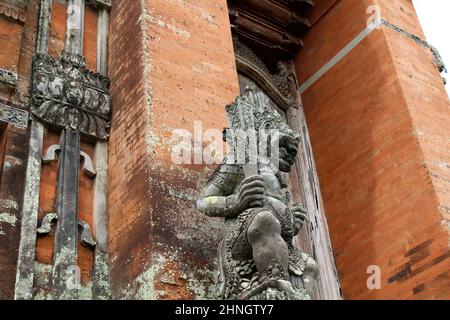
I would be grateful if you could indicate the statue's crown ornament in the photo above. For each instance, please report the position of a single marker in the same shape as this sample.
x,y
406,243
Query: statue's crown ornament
x,y
252,111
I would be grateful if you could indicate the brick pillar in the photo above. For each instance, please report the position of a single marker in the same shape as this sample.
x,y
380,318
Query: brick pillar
x,y
17,31
379,125
171,64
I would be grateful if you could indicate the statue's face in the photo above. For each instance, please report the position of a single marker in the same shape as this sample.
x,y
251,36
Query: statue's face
x,y
288,152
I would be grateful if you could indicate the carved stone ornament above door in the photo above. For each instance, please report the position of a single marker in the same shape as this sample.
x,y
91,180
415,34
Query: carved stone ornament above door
x,y
64,93
280,84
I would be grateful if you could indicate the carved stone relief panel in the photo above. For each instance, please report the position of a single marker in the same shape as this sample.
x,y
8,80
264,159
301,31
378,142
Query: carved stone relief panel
x,y
65,93
278,82
17,117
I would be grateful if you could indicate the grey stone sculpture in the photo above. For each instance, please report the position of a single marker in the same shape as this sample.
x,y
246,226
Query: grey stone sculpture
x,y
13,115
256,256
65,93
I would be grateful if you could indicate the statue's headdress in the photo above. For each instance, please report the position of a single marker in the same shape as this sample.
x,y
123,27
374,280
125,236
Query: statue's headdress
x,y
252,110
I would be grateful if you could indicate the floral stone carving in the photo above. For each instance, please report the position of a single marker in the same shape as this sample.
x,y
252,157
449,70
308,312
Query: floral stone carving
x,y
64,93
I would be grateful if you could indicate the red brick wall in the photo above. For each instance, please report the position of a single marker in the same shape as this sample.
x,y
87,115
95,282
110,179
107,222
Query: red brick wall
x,y
10,38
17,37
128,178
49,174
57,37
10,35
90,37
18,46
378,128
173,66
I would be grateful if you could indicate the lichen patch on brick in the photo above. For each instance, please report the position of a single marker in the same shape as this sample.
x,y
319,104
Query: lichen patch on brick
x,y
11,162
6,204
183,33
8,218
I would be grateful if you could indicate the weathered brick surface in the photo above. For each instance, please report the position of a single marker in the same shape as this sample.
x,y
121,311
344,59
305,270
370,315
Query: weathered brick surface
x,y
128,179
17,41
90,37
27,50
58,27
11,190
321,8
378,128
10,36
173,62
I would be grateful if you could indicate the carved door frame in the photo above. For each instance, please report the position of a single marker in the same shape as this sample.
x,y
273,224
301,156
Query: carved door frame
x,y
282,88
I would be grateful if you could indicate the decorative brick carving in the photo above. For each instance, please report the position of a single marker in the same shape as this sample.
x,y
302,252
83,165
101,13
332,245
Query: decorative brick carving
x,y
13,115
66,94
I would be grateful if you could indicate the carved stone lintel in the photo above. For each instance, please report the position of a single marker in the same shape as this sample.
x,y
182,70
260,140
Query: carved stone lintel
x,y
281,86
17,3
66,94
12,115
8,77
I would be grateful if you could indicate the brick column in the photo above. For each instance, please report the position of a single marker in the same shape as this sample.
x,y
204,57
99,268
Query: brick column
x,y
379,125
171,64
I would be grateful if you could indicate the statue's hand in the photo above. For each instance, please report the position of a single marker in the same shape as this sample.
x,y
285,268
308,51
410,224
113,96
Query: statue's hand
x,y
251,193
299,217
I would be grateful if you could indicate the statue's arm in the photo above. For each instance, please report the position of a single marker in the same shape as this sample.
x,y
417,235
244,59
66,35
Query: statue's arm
x,y
219,199
218,206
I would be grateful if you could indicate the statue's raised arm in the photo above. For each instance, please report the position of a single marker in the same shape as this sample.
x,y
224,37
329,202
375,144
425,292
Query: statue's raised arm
x,y
220,199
